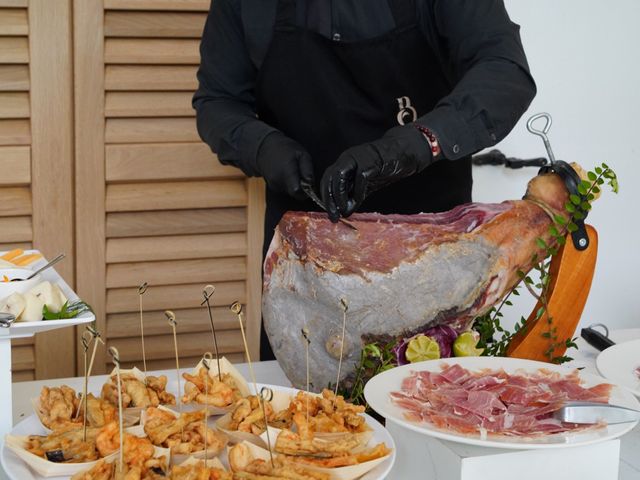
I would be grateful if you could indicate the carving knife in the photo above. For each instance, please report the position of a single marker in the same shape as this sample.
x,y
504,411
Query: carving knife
x,y
593,412
308,189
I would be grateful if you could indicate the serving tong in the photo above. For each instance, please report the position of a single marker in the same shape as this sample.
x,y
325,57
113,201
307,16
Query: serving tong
x,y
568,175
593,412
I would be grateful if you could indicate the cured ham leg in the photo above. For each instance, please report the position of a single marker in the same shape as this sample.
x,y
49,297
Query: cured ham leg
x,y
399,274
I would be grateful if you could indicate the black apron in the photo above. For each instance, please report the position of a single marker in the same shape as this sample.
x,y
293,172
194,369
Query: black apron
x,y
329,96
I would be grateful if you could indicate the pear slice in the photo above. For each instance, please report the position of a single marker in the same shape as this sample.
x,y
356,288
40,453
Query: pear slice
x,y
59,295
33,309
48,296
13,304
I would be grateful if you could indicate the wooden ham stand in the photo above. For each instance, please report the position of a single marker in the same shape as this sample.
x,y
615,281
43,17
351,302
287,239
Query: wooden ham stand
x,y
571,275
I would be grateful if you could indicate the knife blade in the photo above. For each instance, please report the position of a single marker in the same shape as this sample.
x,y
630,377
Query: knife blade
x,y
593,412
308,189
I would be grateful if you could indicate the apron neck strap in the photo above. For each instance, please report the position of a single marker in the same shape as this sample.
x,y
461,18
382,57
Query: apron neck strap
x,y
285,14
404,12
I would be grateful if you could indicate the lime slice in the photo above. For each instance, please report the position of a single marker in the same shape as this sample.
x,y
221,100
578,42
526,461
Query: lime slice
x,y
422,348
465,346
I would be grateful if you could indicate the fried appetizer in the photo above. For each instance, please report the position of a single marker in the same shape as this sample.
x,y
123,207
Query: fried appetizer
x,y
136,394
211,390
67,446
248,416
245,466
340,460
184,434
139,463
58,407
329,413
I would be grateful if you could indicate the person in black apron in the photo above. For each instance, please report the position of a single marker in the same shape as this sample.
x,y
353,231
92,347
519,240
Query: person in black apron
x,y
353,118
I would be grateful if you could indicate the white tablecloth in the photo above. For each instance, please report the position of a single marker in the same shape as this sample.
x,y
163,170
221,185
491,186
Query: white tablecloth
x,y
271,373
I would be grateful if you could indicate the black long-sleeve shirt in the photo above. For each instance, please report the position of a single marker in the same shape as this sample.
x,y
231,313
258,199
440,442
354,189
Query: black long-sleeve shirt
x,y
477,43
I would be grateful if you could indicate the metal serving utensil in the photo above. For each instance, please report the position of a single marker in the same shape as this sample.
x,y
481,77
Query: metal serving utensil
x,y
41,269
593,412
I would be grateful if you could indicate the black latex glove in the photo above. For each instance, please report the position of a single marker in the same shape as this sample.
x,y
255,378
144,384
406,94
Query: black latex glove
x,y
284,164
360,170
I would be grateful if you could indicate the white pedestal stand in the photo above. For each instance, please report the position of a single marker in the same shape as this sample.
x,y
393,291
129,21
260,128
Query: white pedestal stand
x,y
22,330
423,457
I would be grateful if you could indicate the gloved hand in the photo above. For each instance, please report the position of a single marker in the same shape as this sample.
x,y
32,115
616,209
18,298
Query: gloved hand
x,y
284,164
360,170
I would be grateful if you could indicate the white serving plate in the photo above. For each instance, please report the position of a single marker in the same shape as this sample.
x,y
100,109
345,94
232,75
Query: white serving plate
x,y
27,329
618,363
377,392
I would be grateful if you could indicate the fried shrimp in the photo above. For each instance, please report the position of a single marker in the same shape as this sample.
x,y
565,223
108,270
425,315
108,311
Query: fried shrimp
x,y
108,439
209,390
330,413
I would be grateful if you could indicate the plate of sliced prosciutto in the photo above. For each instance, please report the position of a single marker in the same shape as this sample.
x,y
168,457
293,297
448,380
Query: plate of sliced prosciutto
x,y
495,402
621,364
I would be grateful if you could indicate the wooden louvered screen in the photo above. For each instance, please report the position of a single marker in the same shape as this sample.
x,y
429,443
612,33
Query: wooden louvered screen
x,y
36,157
152,202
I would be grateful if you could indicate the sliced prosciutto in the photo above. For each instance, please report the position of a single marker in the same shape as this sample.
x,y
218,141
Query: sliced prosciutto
x,y
494,402
400,274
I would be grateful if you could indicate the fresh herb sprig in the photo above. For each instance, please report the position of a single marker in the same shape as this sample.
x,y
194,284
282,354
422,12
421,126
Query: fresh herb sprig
x,y
68,310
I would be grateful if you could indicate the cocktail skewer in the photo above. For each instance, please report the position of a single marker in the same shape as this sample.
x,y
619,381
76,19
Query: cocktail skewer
x,y
236,307
345,308
207,293
266,395
141,291
172,321
86,341
206,360
97,339
307,342
115,356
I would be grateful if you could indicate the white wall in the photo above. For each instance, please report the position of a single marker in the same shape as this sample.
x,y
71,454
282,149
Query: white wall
x,y
585,58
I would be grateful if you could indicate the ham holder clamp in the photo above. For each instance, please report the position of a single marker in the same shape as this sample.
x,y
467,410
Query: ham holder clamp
x,y
404,273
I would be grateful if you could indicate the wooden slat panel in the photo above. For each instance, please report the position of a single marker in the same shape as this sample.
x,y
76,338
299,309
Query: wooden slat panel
x,y
51,53
170,363
23,376
155,323
169,161
177,296
14,105
17,342
88,31
14,78
150,77
149,104
196,5
175,271
14,50
15,132
176,195
15,166
156,52
15,229
10,246
150,130
189,344
176,247
179,222
15,201
22,358
157,25
14,22
255,237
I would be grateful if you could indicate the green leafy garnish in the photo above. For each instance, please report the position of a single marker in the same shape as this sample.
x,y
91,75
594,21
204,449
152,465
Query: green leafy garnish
x,y
68,310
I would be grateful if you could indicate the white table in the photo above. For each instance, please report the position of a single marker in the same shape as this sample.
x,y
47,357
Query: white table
x,y
271,373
